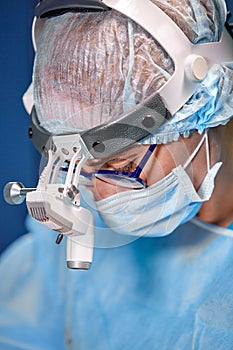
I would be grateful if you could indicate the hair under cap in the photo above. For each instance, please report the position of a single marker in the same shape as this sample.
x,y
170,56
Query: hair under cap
x,y
90,68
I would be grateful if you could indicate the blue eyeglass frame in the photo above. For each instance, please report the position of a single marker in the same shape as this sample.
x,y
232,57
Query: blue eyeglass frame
x,y
115,173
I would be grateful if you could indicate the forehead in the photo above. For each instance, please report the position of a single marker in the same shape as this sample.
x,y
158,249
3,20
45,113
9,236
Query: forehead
x,y
135,151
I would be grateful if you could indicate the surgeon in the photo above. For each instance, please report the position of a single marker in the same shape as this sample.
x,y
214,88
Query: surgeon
x,y
162,269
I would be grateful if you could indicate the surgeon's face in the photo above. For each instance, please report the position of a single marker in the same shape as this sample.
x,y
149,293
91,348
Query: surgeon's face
x,y
91,75
160,163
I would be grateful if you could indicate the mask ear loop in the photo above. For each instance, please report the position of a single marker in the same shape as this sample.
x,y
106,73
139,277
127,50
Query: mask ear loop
x,y
207,151
204,138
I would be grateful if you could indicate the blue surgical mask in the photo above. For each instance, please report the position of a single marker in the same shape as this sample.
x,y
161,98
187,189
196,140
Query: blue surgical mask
x,y
160,208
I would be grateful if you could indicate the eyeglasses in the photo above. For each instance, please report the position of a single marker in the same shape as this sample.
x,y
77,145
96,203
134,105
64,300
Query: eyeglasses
x,y
125,179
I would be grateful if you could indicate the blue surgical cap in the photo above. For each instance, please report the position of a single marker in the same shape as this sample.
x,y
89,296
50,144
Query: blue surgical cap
x,y
212,103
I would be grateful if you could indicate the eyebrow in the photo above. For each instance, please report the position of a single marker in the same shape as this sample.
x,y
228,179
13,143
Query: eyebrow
x,y
97,162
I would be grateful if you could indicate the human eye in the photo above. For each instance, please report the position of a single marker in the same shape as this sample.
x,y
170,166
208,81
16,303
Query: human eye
x,y
128,168
122,165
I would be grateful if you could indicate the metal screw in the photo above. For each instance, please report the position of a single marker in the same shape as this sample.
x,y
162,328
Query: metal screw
x,y
98,146
72,192
148,122
59,238
30,133
65,151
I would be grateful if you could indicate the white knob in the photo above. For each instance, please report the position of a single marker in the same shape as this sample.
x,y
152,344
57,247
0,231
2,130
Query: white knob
x,y
196,67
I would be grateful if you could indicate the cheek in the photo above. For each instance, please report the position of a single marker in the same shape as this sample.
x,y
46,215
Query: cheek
x,y
165,159
102,190
160,165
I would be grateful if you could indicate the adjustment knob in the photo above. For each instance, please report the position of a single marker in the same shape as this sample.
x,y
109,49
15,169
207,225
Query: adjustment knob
x,y
15,192
196,67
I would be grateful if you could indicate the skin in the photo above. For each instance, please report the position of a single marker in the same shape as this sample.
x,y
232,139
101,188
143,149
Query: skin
x,y
219,209
166,157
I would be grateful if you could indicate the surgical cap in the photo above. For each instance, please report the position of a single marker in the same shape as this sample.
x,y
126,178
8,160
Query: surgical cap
x,y
90,68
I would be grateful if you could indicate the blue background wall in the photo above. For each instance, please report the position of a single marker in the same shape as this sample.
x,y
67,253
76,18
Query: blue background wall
x,y
19,161
18,157
230,7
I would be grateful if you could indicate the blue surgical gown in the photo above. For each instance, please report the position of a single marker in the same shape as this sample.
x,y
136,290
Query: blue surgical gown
x,y
170,293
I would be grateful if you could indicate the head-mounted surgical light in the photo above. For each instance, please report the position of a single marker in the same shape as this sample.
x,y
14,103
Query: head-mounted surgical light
x,y
191,61
58,206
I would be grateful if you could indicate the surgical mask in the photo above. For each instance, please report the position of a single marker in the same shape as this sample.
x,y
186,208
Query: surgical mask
x,y
160,208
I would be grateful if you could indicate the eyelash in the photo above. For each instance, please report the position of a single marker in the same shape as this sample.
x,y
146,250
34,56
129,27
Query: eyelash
x,y
130,167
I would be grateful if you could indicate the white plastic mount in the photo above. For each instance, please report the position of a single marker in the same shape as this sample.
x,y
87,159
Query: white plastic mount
x,y
57,206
